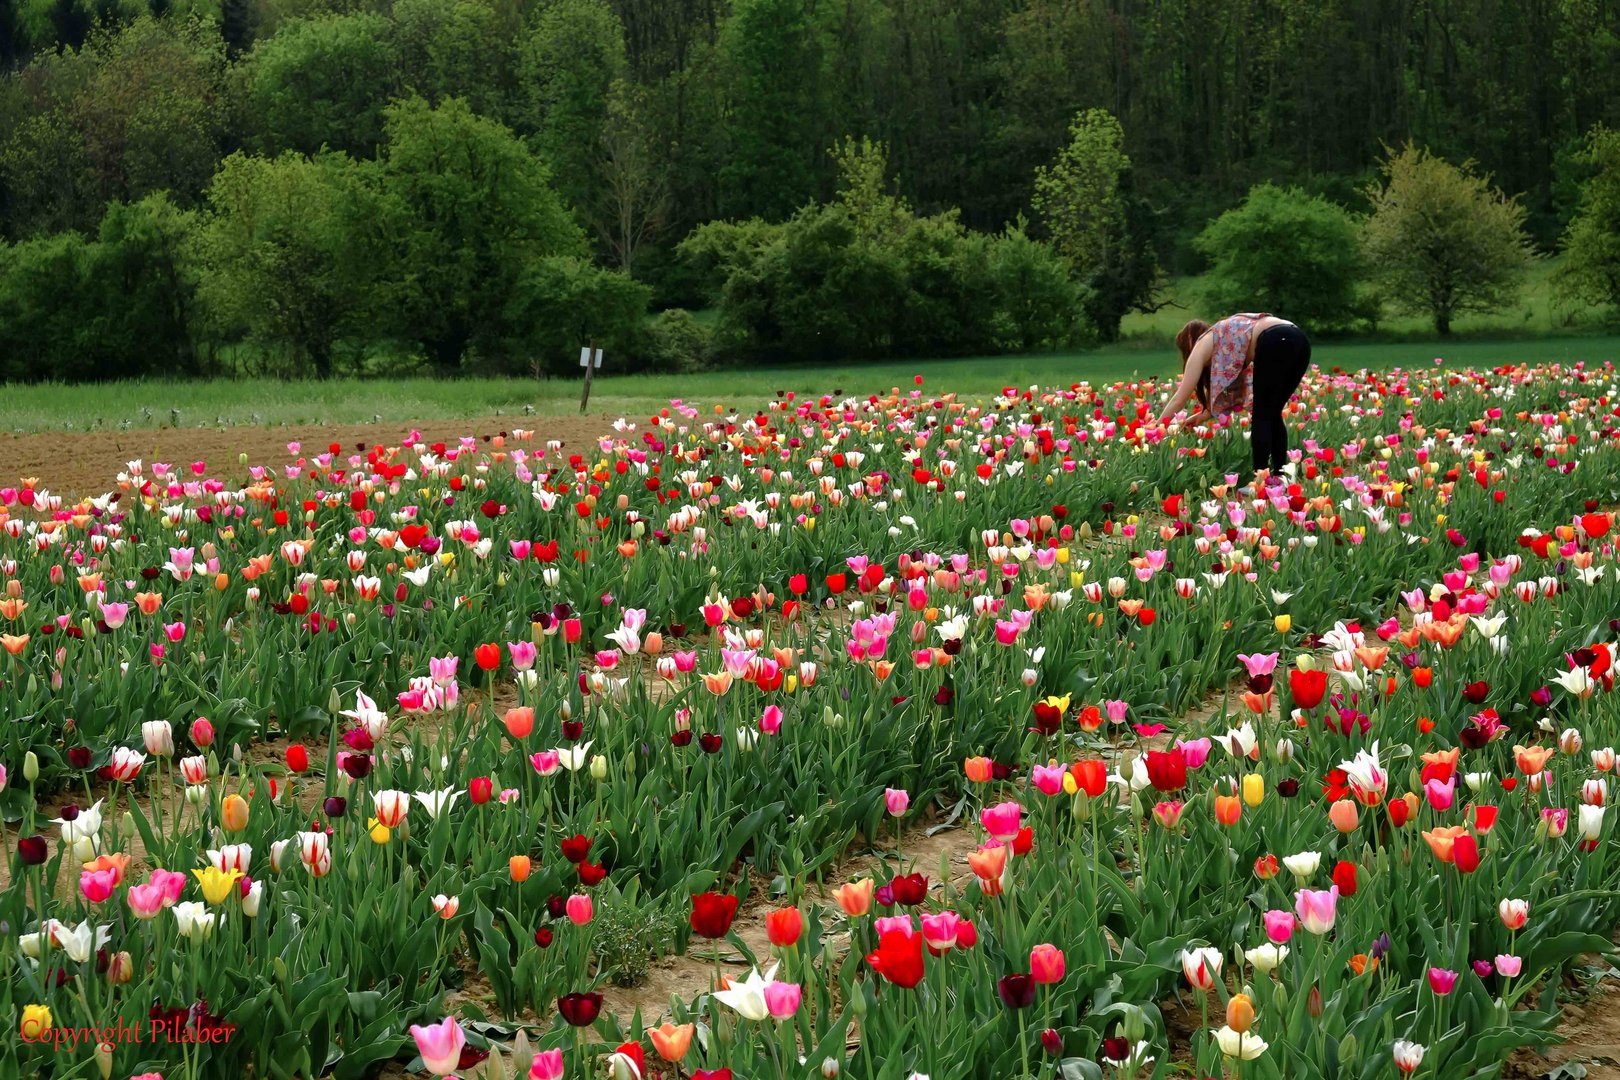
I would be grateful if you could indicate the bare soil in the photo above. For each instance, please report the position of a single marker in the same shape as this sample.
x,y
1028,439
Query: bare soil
x,y
78,464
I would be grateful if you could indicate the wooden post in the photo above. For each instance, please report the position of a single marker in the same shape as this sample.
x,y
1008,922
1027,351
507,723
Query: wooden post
x,y
590,358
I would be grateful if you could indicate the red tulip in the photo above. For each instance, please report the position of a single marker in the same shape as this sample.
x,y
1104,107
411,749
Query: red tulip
x,y
576,848
479,789
1308,687
1017,990
1344,876
581,1010
798,584
1167,769
712,1074
783,926
591,873
488,656
32,850
836,583
909,889
899,958
712,914
1465,853
1091,776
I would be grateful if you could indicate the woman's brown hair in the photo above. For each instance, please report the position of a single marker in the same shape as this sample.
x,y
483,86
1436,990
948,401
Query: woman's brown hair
x,y
1185,340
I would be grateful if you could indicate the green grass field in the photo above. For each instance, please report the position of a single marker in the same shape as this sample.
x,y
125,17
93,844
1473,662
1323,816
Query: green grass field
x,y
227,403
1537,329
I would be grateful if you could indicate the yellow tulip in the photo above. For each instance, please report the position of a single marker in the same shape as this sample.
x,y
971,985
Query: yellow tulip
x,y
1283,623
1254,789
378,832
217,884
36,1022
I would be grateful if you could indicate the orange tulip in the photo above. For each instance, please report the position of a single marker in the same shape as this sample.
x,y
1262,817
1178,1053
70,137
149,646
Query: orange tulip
x,y
977,769
1240,1013
855,897
1441,839
1228,808
519,722
672,1041
989,862
1531,759
1344,816
520,867
233,813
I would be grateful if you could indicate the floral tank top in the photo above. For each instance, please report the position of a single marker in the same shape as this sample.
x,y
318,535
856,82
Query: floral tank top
x,y
1231,374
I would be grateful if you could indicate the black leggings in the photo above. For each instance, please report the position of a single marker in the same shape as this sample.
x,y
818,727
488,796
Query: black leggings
x,y
1281,356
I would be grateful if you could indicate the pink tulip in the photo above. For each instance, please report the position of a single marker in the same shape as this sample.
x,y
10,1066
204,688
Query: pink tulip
x,y
1046,963
1440,795
771,722
893,924
172,885
98,885
1508,966
1317,909
523,654
579,909
547,1065
1048,779
146,901
1259,663
896,801
939,931
440,1045
1115,709
1279,925
1001,821
546,762
782,999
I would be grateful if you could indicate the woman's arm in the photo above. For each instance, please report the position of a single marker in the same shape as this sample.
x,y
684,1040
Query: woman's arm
x,y
1189,377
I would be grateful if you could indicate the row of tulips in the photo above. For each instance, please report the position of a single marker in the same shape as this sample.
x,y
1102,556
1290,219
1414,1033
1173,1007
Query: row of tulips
x,y
508,692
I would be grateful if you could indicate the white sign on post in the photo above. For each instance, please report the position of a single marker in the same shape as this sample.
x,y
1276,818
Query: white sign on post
x,y
590,358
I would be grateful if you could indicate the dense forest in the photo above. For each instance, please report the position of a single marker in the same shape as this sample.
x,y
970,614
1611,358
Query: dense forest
x,y
292,184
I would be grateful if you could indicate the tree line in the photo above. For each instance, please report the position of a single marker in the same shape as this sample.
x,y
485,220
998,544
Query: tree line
x,y
319,185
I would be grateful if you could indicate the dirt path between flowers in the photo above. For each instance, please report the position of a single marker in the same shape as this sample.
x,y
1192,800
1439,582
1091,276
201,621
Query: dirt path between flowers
x,y
78,464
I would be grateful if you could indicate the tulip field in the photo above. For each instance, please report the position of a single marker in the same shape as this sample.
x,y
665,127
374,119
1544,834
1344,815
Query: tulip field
x,y
412,759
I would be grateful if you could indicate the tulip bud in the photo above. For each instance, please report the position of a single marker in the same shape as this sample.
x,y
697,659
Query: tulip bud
x,y
857,1003
599,767
1080,807
1285,751
829,1068
30,766
566,709
1134,1026
84,850
522,1053
1348,1048
1239,1013
120,968
196,795
334,704
1313,1003
104,1053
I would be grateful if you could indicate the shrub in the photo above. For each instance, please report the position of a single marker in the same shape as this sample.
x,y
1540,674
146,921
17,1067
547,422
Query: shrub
x,y
1284,251
1591,270
1442,239
676,342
